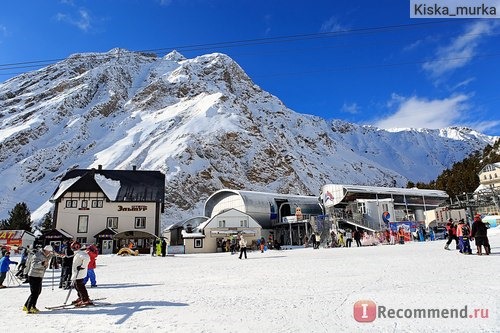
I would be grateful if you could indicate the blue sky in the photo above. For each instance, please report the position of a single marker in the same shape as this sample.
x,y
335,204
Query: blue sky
x,y
365,62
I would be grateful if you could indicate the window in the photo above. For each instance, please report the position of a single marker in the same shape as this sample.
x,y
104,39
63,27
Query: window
x,y
140,222
112,222
198,243
361,208
97,203
81,240
71,203
244,223
85,204
83,223
222,223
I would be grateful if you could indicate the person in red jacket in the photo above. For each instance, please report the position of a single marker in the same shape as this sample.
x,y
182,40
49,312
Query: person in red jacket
x,y
451,228
92,252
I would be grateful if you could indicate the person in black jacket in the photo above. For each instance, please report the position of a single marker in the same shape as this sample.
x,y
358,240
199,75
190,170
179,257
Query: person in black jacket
x,y
357,237
66,266
480,234
163,247
451,228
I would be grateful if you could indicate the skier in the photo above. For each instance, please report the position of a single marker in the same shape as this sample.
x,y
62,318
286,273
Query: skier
x,y
452,234
465,239
92,252
66,266
37,264
5,262
459,235
22,264
80,263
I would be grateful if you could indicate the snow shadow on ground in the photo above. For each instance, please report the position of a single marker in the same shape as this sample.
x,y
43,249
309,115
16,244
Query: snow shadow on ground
x,y
125,309
268,257
123,285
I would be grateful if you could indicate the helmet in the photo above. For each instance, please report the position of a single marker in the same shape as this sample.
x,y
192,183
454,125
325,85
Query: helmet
x,y
48,248
76,245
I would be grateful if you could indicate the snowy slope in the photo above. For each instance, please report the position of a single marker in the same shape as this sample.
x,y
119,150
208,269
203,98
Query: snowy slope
x,y
202,122
298,290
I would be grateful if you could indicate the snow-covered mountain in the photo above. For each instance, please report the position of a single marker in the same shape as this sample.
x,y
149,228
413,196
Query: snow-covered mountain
x,y
202,122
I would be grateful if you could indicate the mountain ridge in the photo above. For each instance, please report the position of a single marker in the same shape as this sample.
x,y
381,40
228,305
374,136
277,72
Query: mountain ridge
x,y
201,121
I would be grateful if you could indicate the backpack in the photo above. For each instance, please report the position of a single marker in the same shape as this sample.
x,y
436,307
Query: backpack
x,y
465,231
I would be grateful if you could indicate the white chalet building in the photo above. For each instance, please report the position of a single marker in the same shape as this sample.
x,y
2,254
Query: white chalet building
x,y
111,208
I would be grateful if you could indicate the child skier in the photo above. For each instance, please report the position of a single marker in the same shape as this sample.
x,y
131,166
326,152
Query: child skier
x,y
466,249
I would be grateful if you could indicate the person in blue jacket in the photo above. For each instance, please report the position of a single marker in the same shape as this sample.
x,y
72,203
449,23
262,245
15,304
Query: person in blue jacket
x,y
5,262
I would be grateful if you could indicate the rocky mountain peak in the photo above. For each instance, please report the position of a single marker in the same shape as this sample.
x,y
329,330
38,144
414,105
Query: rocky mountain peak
x,y
201,121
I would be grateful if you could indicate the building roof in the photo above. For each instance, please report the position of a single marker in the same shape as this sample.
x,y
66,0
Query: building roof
x,y
57,233
490,167
261,205
333,194
117,185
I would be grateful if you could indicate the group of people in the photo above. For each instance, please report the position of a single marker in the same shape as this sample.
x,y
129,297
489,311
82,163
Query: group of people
x,y
342,238
462,233
78,263
159,247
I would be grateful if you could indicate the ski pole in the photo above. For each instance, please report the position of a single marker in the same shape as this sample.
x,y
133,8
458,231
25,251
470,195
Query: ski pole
x,y
73,281
70,289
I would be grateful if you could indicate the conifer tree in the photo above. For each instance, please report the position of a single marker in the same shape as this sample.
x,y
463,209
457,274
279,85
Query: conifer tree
x,y
47,222
19,218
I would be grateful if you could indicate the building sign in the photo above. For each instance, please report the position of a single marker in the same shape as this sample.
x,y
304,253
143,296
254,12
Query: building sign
x,y
11,237
133,208
10,234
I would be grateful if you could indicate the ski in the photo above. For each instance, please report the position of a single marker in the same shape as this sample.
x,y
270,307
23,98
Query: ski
x,y
71,306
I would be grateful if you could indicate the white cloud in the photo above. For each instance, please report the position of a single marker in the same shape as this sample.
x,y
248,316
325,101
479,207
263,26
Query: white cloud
x,y
3,30
268,18
485,126
461,50
82,21
332,25
463,83
412,46
417,112
352,108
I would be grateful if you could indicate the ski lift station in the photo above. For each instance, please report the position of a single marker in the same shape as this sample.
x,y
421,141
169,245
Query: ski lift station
x,y
373,208
280,217
288,218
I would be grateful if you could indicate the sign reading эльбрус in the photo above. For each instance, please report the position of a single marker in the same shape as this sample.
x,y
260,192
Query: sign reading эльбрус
x,y
133,208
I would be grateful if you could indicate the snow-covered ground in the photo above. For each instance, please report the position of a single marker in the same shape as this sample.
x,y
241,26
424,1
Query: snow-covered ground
x,y
298,290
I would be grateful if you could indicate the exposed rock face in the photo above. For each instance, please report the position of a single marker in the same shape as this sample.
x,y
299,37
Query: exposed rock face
x,y
202,122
